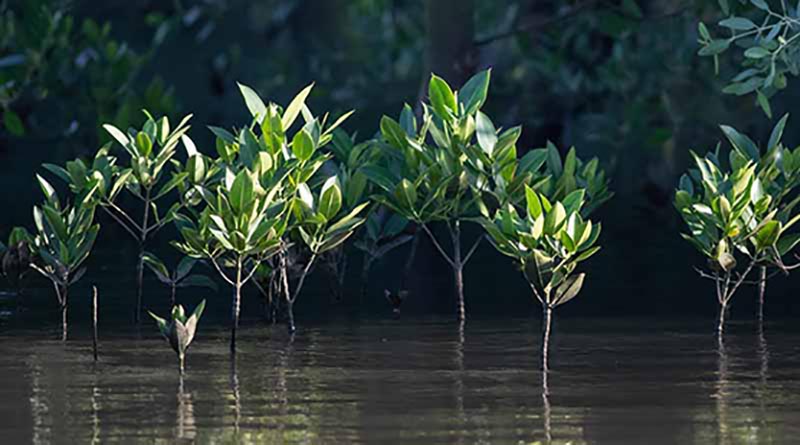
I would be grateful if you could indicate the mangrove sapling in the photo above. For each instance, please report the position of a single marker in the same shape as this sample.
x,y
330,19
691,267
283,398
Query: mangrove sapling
x,y
728,215
180,277
778,176
285,165
180,330
466,169
150,150
15,259
241,226
549,242
64,238
427,182
349,162
323,225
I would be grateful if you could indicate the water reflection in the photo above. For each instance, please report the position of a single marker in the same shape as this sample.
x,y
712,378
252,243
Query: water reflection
x,y
392,383
547,411
185,423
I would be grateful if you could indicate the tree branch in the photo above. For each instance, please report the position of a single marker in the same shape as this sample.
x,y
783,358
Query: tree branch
x,y
473,249
224,276
438,246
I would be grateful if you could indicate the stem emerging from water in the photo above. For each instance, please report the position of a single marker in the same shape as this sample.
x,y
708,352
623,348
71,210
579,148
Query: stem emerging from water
x,y
762,288
237,293
548,318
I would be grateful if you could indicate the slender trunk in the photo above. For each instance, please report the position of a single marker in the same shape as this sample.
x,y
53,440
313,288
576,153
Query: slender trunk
x,y
64,295
94,322
235,307
548,318
181,363
458,272
723,309
762,289
286,296
290,316
139,282
173,291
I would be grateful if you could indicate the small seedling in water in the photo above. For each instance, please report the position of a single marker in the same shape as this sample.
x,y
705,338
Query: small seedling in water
x,y
180,331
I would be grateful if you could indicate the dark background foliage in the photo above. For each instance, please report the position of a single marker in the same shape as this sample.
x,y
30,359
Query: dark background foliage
x,y
619,79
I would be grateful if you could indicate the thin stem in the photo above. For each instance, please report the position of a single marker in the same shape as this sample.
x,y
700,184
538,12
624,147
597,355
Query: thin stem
x,y
94,322
437,245
219,269
303,277
762,288
121,223
237,295
128,219
473,249
548,317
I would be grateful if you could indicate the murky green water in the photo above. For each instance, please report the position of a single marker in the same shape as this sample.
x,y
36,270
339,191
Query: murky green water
x,y
410,381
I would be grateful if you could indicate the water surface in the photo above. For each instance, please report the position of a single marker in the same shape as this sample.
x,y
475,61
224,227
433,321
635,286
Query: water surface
x,y
410,381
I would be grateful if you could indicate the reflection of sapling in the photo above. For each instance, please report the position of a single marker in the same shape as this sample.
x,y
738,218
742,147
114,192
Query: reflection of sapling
x,y
180,331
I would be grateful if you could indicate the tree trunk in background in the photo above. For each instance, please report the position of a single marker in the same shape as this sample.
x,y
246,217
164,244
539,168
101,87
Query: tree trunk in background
x,y
451,33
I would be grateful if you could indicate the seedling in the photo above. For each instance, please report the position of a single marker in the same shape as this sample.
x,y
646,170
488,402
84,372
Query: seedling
x,y
180,331
548,242
64,238
732,221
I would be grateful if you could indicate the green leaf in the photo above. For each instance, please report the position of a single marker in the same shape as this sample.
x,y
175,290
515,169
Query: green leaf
x,y
144,144
714,47
486,133
768,235
741,142
13,123
117,134
533,202
574,201
241,192
330,200
162,324
777,133
569,289
554,220
158,267
406,194
408,121
295,106
473,94
48,190
763,102
756,52
254,103
738,23
303,145
393,133
554,160
198,310
442,98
